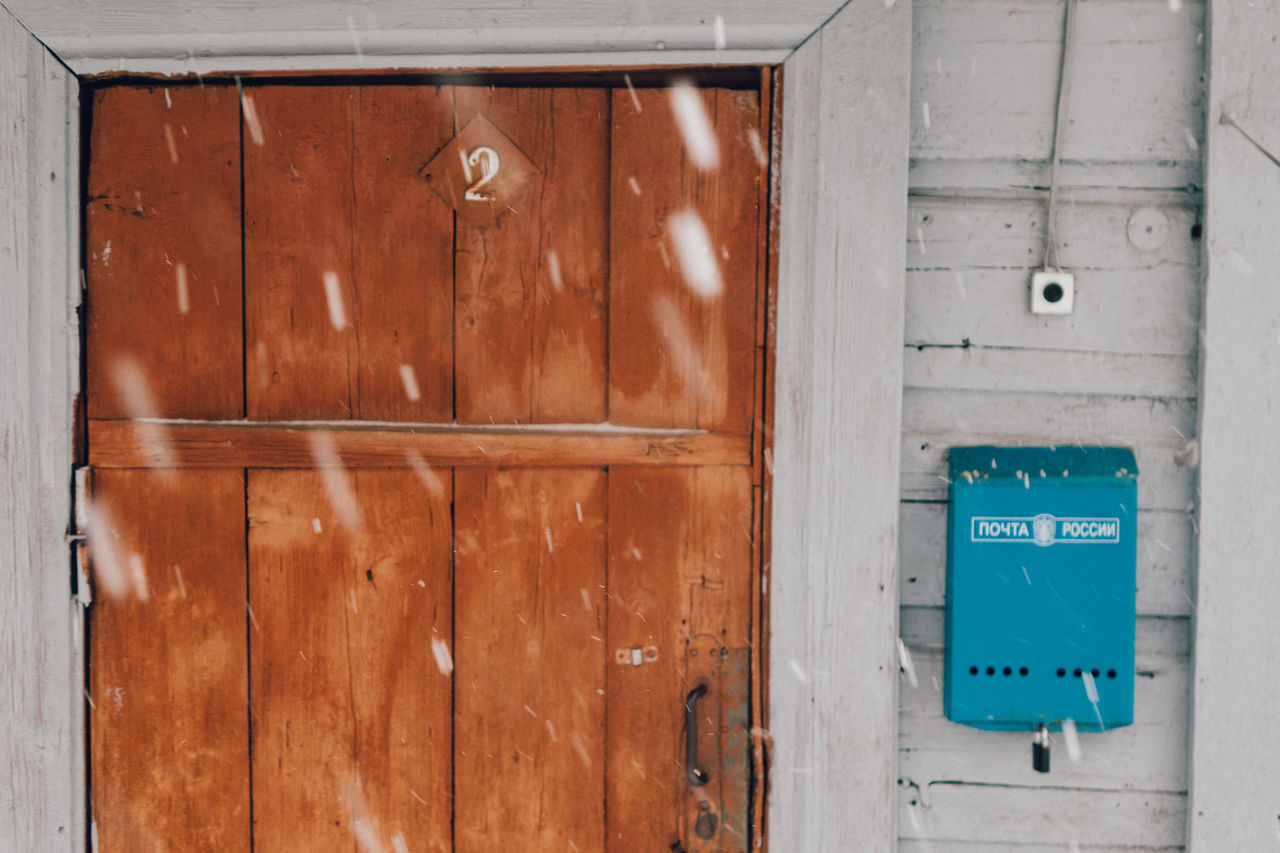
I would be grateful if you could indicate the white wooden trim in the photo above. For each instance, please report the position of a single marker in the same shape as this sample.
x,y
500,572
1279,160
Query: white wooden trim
x,y
834,567
41,724
154,36
502,41
1235,767
498,47
95,35
420,62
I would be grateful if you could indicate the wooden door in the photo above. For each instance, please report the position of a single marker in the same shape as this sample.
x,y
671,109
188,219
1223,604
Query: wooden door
x,y
424,425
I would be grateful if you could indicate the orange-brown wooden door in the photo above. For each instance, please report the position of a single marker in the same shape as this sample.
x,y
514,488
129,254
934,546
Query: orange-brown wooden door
x,y
424,427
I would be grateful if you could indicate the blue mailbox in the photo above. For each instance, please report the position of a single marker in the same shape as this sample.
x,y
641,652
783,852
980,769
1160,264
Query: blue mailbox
x,y
1041,579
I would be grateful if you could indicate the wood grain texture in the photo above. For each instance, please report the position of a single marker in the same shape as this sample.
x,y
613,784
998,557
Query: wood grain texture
x,y
977,368
1135,89
163,266
530,654
977,233
530,315
1151,754
679,572
989,308
1061,418
300,357
347,254
762,604
42,742
42,738
1131,183
1236,585
681,353
1129,819
351,732
120,444
833,579
1164,558
169,662
401,264
969,263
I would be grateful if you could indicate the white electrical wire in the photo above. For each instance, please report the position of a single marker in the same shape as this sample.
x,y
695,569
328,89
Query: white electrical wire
x,y
1064,86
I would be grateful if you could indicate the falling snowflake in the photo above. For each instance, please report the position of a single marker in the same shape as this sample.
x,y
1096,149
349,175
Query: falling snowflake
x,y
444,661
695,126
692,244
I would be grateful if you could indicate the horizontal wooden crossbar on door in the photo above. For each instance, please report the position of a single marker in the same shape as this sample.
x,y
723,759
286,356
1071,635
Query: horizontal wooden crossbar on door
x,y
161,443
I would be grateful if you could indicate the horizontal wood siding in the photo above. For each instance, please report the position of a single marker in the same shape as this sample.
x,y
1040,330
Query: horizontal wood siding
x,y
980,368
987,847
988,71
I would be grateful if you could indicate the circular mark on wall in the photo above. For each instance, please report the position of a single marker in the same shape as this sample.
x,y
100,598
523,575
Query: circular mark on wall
x,y
1148,229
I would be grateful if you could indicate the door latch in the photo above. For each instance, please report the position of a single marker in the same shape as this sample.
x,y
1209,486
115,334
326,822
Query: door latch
x,y
636,656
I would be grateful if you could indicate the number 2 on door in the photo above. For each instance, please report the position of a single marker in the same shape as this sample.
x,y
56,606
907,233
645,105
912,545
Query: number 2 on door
x,y
487,172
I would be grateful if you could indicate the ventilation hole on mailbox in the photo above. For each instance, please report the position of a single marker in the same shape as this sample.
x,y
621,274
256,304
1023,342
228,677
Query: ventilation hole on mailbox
x,y
973,670
1111,673
1061,672
1095,673
1022,670
991,670
1076,672
1008,670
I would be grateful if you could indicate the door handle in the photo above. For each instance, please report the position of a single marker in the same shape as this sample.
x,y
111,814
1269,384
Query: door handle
x,y
696,775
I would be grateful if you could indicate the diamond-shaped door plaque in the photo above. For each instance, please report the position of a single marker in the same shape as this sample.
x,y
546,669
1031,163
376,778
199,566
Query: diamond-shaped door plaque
x,y
481,173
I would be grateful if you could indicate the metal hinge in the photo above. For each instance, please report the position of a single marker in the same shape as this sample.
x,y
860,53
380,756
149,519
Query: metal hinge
x,y
82,587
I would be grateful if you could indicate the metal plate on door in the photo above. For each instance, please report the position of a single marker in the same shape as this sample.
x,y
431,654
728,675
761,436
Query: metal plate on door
x,y
482,174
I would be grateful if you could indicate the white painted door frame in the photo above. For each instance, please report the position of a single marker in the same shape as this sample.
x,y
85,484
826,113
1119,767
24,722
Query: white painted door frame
x,y
842,191
1234,751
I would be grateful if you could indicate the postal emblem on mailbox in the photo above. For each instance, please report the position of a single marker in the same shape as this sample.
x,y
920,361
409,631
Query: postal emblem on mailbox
x,y
1043,528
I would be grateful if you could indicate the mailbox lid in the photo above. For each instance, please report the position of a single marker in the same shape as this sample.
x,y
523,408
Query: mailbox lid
x,y
987,462
1041,587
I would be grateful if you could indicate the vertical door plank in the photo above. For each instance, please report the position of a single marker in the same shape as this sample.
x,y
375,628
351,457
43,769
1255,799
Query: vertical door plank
x,y
403,255
347,253
163,266
679,570
531,660
681,355
531,285
168,677
298,209
351,736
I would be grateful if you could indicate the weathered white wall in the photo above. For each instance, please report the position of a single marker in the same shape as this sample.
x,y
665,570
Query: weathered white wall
x,y
41,771
980,368
1235,758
